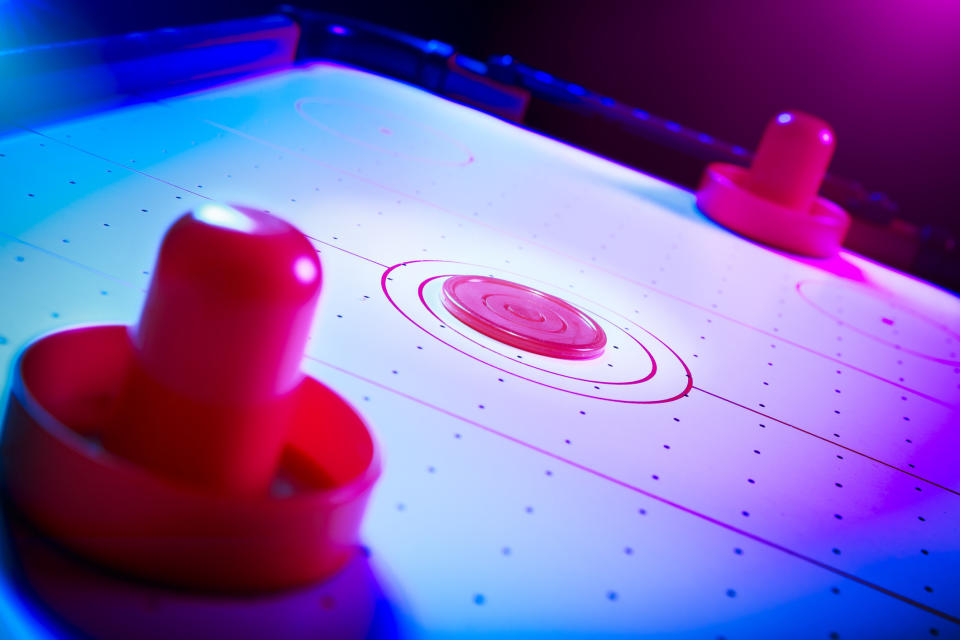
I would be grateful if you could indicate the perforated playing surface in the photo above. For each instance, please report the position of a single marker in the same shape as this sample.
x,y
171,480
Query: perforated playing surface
x,y
766,448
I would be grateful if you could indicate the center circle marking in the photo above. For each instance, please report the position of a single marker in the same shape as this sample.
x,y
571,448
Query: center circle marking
x,y
414,289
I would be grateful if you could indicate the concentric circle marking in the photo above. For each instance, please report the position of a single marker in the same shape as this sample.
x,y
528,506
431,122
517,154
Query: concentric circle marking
x,y
383,131
497,349
523,317
883,320
635,367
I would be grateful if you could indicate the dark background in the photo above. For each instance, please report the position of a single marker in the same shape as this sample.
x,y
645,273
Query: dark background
x,y
884,73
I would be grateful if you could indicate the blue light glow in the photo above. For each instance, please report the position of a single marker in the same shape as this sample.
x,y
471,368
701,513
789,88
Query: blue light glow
x,y
441,48
472,65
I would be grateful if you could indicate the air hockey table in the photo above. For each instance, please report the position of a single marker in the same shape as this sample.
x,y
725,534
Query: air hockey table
x,y
765,448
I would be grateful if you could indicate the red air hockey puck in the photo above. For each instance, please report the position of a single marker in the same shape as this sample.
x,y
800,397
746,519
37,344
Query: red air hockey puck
x,y
523,317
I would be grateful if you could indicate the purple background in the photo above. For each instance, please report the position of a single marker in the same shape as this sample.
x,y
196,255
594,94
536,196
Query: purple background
x,y
884,73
